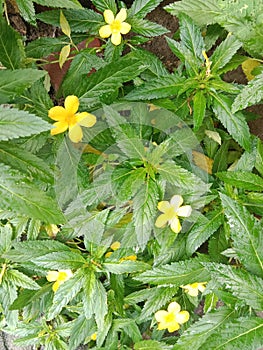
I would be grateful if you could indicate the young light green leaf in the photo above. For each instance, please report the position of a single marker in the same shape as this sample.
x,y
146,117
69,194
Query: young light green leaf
x,y
246,235
242,179
24,198
13,83
140,8
12,51
251,94
239,282
234,123
198,333
202,230
199,107
243,333
64,53
65,27
24,161
202,12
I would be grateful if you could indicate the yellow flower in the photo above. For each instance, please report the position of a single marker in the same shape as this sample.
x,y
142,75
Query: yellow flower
x,y
129,257
171,210
93,336
59,277
68,118
172,318
115,26
115,245
194,288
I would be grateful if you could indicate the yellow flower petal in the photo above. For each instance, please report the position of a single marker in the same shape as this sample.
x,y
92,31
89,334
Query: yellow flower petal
x,y
175,225
116,39
160,315
75,133
108,16
202,287
93,336
191,289
105,31
182,317
176,201
125,28
57,113
59,128
115,245
173,327
174,307
107,255
86,119
184,211
163,206
122,15
56,286
71,104
52,276
161,221
64,275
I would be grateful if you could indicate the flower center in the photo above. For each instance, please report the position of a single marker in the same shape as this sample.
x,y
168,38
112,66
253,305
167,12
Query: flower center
x,y
71,119
115,26
171,213
169,318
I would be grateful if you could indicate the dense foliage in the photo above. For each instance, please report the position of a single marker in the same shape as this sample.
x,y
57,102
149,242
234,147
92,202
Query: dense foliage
x,y
131,196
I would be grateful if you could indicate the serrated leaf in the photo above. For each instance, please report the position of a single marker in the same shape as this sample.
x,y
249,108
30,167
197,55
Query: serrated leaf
x,y
202,230
69,4
155,65
106,80
24,198
239,282
149,345
175,274
81,20
198,333
201,12
65,293
42,47
13,83
24,161
140,8
125,266
245,333
21,280
224,52
102,5
146,28
60,260
144,210
242,179
199,107
6,236
11,46
27,11
251,94
234,123
246,235
157,88
81,328
259,158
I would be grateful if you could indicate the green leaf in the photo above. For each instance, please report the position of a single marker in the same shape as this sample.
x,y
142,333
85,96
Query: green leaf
x,y
149,345
198,333
245,333
202,12
238,282
80,330
125,266
234,123
21,280
42,47
224,52
242,179
65,293
140,8
24,161
199,107
6,235
12,51
146,28
24,198
27,10
175,274
60,260
251,94
259,157
144,210
81,20
106,80
246,235
69,4
202,230
13,83
89,286
102,5
157,88
155,65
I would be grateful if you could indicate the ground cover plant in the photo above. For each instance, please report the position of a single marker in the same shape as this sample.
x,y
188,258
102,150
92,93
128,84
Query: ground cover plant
x,y
131,195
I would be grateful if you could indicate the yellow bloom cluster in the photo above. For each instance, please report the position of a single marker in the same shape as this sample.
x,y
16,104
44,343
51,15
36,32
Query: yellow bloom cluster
x,y
58,277
172,318
68,118
171,210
